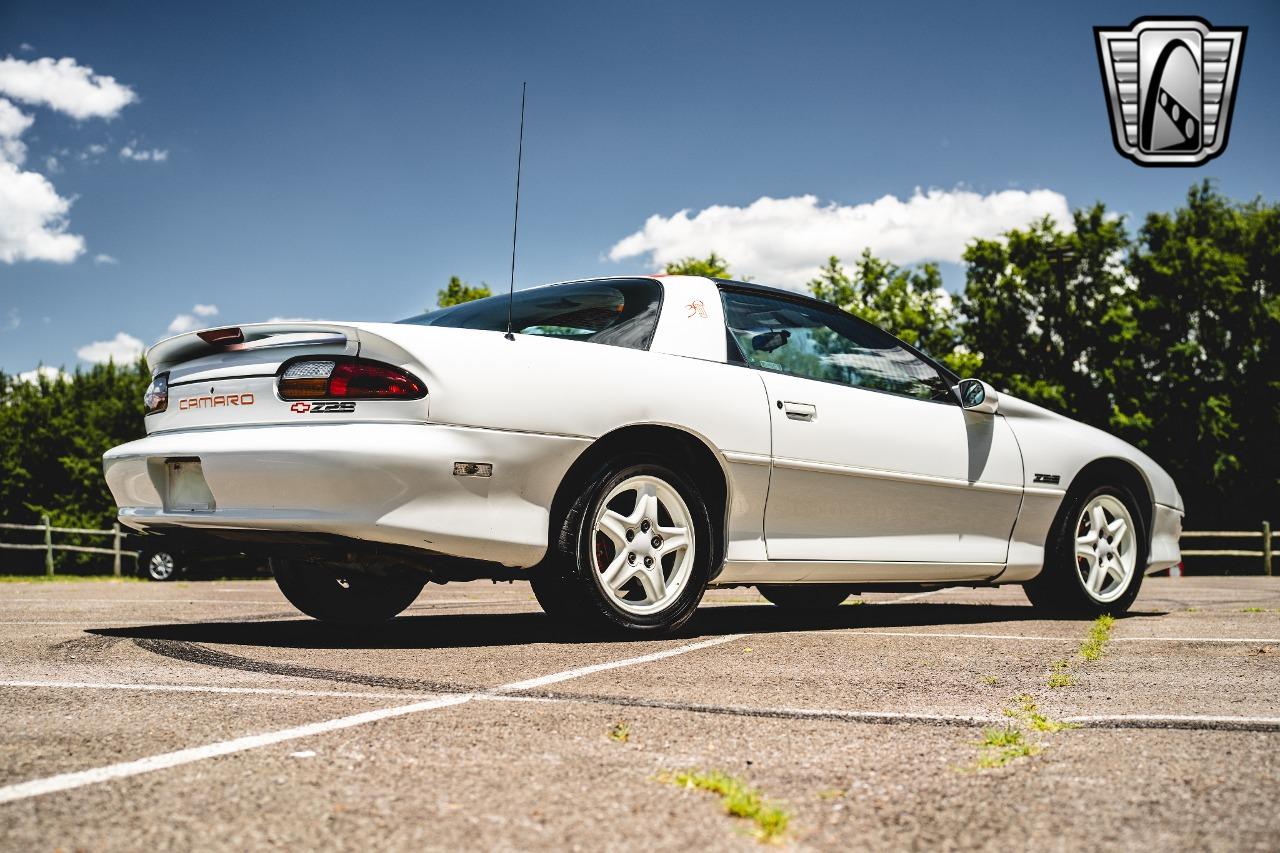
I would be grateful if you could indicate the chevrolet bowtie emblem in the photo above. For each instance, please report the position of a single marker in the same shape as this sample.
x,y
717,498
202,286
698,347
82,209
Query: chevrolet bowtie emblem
x,y
1170,85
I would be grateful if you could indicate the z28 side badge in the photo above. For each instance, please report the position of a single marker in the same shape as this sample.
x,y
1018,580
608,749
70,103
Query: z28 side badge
x,y
1052,479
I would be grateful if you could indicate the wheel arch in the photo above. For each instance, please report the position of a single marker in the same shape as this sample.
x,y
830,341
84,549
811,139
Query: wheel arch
x,y
692,454
1113,469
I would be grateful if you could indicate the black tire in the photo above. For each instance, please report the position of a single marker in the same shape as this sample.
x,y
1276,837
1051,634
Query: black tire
x,y
334,594
1060,588
810,596
568,586
160,564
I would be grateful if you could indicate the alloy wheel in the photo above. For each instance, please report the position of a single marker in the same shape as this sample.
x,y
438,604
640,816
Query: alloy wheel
x,y
643,545
1106,548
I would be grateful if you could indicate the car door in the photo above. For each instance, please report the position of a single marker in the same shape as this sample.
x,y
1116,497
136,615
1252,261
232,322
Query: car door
x,y
873,458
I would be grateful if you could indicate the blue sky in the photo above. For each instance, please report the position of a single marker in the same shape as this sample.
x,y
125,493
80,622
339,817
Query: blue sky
x,y
343,160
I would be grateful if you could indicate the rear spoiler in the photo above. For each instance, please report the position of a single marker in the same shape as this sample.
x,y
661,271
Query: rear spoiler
x,y
254,336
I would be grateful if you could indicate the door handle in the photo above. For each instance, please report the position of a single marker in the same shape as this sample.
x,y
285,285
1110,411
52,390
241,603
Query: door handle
x,y
798,411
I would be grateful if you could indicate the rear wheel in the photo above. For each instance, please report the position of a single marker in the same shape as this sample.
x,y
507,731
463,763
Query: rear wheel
x,y
633,554
1095,556
336,594
814,596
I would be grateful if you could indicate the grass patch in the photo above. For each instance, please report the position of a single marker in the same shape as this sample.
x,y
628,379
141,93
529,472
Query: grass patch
x,y
1254,610
1060,676
738,799
69,579
1001,746
620,732
1099,633
1029,713
990,680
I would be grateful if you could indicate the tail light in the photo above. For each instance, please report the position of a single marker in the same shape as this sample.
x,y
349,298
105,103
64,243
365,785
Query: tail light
x,y
156,398
347,379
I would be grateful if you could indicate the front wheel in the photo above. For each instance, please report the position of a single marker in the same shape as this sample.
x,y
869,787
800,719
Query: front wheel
x,y
1095,557
335,594
633,554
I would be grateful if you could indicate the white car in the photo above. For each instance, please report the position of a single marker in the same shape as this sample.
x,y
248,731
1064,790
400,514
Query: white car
x,y
635,441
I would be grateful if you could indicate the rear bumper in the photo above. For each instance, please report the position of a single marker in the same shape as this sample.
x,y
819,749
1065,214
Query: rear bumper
x,y
381,483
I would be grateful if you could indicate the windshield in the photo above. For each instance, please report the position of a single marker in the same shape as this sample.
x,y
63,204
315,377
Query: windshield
x,y
619,312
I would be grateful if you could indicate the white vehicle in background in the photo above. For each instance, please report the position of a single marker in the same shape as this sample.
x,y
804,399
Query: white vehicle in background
x,y
635,441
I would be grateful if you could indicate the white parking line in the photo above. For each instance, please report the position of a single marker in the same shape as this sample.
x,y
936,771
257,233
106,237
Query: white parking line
x,y
79,779
1039,639
67,781
543,681
58,602
203,688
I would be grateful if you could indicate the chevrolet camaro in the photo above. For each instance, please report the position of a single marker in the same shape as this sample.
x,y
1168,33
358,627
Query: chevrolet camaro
x,y
623,444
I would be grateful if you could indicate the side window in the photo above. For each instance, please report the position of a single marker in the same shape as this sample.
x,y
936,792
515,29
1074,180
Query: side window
x,y
619,312
818,343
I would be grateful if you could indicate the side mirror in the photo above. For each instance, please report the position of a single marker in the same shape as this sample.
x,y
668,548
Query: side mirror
x,y
977,396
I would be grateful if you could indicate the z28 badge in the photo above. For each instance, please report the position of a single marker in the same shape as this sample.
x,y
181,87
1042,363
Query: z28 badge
x,y
301,408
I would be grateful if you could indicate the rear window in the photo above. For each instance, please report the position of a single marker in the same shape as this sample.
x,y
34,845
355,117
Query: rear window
x,y
619,312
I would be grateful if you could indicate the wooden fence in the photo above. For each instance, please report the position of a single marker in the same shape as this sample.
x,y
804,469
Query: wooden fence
x,y
116,553
1264,534
48,546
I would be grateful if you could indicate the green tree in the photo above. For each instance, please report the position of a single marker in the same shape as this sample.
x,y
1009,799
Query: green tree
x,y
712,266
458,291
53,433
1198,372
1044,309
910,303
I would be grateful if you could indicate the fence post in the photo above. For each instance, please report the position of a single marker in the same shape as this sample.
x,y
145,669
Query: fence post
x,y
115,564
1266,548
48,546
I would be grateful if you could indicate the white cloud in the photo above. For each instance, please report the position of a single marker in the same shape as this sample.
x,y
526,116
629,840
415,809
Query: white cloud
x,y
93,152
142,155
33,219
124,348
104,259
784,240
191,322
12,320
26,47
53,374
13,121
64,85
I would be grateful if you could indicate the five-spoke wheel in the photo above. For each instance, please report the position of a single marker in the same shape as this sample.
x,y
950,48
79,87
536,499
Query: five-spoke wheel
x,y
1106,550
633,553
1095,555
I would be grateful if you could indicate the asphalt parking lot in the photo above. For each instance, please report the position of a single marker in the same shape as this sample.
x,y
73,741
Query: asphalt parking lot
x,y
211,715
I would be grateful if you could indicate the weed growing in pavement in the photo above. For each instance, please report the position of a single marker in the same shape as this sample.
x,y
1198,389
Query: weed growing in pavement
x,y
990,680
738,799
1254,610
621,732
1000,746
830,794
1099,633
1060,677
1029,713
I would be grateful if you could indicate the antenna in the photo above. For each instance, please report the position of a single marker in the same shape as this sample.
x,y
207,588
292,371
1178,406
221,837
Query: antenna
x,y
515,225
